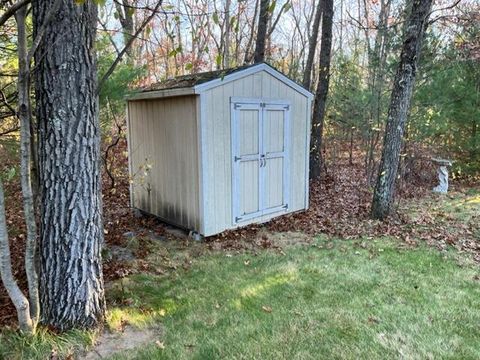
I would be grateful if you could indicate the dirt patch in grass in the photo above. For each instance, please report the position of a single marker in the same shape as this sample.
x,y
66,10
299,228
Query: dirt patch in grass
x,y
256,237
111,343
290,238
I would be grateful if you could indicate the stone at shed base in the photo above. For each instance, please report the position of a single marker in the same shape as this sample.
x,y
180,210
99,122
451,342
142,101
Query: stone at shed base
x,y
195,236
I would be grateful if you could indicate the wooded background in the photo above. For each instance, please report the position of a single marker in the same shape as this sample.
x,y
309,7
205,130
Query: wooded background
x,y
190,36
361,59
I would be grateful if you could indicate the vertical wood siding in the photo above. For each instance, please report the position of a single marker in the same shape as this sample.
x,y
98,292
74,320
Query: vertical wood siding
x,y
248,141
217,158
163,137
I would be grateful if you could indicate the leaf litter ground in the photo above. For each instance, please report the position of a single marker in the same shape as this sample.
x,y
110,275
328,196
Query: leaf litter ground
x,y
339,207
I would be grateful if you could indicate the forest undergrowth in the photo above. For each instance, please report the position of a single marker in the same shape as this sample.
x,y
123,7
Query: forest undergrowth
x,y
339,207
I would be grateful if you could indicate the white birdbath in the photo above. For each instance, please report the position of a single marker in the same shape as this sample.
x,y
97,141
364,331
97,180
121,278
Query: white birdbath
x,y
442,172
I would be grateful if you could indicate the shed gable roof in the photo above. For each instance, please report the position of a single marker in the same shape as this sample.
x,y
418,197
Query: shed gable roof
x,y
194,79
200,82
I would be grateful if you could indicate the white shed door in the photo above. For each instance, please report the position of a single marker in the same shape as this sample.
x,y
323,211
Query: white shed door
x,y
260,148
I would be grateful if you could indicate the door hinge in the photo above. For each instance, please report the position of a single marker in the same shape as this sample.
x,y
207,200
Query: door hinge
x,y
236,106
285,206
237,218
237,158
287,107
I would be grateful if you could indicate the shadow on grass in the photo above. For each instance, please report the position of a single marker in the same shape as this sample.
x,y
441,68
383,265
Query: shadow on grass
x,y
331,298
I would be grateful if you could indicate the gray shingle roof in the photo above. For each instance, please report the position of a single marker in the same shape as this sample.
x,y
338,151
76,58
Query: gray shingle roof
x,y
191,80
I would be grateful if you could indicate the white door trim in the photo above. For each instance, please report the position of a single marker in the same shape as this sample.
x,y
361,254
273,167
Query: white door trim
x,y
262,105
285,154
235,108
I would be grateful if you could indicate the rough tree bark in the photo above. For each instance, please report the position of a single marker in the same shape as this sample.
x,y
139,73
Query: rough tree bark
x,y
25,115
312,46
398,109
263,18
18,298
71,228
322,90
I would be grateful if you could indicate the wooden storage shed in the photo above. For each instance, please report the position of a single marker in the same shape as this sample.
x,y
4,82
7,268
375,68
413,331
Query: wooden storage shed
x,y
218,150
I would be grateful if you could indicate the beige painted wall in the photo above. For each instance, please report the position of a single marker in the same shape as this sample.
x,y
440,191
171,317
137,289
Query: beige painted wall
x,y
215,116
163,147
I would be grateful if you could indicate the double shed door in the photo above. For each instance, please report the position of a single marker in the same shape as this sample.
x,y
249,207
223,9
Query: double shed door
x,y
260,158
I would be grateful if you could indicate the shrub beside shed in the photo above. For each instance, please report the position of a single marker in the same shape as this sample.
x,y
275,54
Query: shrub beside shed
x,y
218,150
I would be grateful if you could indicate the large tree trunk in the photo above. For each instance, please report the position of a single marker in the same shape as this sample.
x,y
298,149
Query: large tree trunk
x,y
18,298
399,105
25,116
312,46
322,90
71,229
263,19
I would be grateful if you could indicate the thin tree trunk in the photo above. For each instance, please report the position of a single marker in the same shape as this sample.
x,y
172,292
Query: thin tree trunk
x,y
322,90
34,158
259,55
125,16
248,52
377,64
398,110
350,153
226,44
312,46
18,298
25,116
129,44
475,126
71,228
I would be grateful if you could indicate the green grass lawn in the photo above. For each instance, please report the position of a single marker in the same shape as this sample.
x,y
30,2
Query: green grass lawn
x,y
330,299
343,300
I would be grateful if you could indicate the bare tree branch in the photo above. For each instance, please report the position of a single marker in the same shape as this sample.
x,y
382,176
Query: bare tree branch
x,y
442,9
5,101
127,46
285,6
12,10
104,26
9,131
